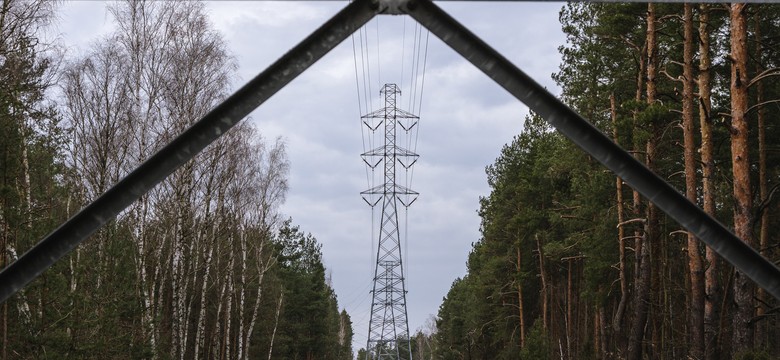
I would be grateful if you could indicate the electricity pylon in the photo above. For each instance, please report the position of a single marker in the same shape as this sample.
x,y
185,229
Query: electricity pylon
x,y
388,329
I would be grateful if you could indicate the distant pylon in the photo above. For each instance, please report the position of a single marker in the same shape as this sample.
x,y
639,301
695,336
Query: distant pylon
x,y
388,329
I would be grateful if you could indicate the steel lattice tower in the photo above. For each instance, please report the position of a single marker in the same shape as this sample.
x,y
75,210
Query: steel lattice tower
x,y
388,330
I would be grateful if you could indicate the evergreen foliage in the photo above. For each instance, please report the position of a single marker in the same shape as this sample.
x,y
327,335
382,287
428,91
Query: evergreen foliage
x,y
309,322
544,281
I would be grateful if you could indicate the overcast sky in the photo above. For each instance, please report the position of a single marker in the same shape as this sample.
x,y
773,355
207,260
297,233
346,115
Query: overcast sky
x,y
465,120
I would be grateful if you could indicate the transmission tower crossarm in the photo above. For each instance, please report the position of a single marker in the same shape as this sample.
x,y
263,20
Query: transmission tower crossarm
x,y
386,150
382,189
383,112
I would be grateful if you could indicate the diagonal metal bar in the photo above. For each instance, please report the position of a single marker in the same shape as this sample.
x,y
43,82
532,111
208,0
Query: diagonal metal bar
x,y
598,145
182,149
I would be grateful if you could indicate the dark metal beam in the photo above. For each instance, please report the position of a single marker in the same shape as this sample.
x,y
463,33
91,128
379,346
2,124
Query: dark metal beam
x,y
598,145
182,149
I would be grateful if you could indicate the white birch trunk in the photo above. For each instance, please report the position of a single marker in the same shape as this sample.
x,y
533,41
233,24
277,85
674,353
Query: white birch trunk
x,y
23,306
201,327
72,265
27,188
215,225
147,322
175,288
241,295
218,323
188,280
158,279
276,324
262,268
229,305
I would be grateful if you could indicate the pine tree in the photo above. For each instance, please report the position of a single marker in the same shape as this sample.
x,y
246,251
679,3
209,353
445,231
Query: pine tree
x,y
740,149
309,325
32,194
632,72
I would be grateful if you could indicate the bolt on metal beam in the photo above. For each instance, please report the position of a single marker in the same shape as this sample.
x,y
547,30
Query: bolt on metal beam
x,y
594,142
183,148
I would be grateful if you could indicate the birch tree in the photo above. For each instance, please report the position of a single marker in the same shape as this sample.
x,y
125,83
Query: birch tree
x,y
205,230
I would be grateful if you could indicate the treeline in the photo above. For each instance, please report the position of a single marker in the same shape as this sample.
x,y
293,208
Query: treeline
x,y
572,263
200,267
421,345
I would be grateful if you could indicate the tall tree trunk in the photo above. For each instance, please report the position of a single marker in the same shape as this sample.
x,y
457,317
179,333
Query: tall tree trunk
x,y
213,219
636,198
240,346
696,350
201,320
276,323
147,322
642,297
763,234
617,321
3,250
262,268
228,304
623,340
641,307
519,285
13,235
26,186
711,283
602,328
570,323
3,261
544,290
742,336
157,296
218,325
181,278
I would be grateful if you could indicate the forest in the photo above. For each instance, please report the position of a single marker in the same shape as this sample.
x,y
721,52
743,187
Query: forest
x,y
572,263
204,265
